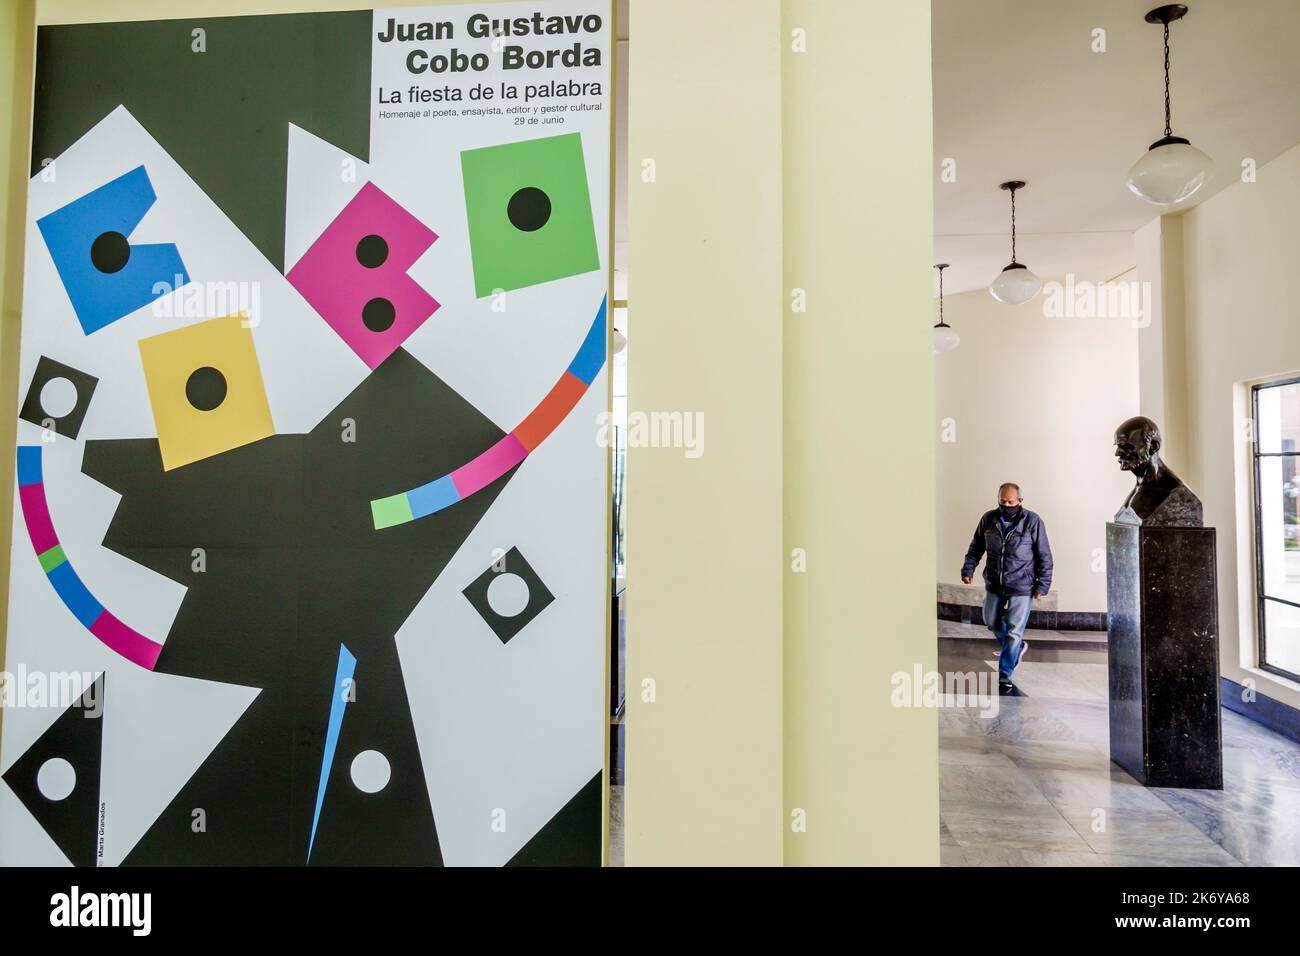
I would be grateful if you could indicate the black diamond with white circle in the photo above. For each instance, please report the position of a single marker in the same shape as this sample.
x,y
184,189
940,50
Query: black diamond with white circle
x,y
58,397
508,595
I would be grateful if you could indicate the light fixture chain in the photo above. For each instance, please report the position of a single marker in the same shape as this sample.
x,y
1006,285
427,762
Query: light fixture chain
x,y
1013,223
1169,129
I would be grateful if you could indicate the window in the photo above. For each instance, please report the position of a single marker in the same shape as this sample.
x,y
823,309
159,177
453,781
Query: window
x,y
1277,525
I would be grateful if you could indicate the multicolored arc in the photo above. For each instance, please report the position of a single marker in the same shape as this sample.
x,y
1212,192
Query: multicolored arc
x,y
93,616
480,472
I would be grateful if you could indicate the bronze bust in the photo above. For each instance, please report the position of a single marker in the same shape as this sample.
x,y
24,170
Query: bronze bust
x,y
1159,498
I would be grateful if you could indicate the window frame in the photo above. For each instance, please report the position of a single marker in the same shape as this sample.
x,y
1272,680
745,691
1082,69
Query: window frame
x,y
1262,598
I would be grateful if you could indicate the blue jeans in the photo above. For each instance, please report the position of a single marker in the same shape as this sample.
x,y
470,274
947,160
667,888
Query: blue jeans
x,y
1006,617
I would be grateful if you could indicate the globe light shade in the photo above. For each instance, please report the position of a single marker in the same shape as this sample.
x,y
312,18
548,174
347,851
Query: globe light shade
x,y
1169,172
620,341
1015,284
945,339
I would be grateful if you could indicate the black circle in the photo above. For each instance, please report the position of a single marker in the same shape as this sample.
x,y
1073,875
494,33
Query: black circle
x,y
109,252
372,251
378,315
529,209
206,388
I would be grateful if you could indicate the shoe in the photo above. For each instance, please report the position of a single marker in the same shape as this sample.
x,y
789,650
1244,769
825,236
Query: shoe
x,y
1024,646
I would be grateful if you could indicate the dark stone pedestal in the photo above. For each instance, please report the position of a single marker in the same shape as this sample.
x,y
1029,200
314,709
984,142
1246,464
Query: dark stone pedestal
x,y
1163,618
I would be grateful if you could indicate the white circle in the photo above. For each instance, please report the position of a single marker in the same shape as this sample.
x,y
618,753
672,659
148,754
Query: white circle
x,y
58,397
370,771
56,778
507,594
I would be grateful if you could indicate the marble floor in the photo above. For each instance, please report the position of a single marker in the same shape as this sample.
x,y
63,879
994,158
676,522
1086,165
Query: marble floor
x,y
616,752
1033,785
615,826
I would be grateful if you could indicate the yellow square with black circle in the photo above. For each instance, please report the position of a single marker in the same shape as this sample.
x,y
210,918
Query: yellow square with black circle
x,y
206,391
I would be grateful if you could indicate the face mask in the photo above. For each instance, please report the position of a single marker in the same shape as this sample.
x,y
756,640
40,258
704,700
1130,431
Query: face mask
x,y
1009,512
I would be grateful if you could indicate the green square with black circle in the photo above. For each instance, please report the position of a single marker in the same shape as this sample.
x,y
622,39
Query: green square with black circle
x,y
529,213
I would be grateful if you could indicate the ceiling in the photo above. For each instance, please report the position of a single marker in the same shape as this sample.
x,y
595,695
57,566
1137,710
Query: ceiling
x,y
1019,94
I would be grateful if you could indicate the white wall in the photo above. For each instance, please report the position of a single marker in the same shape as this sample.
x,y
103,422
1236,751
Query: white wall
x,y
1034,400
1162,343
1241,250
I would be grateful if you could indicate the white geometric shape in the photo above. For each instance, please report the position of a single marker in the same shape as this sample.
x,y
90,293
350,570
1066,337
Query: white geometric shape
x,y
158,730
56,779
58,397
320,180
507,594
370,771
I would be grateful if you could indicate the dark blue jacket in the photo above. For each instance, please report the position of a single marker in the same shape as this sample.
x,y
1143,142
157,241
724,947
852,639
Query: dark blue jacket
x,y
1019,562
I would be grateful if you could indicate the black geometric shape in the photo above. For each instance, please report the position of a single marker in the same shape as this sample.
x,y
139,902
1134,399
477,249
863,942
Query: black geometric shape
x,y
529,209
570,838
294,569
378,315
110,252
196,104
506,627
372,251
75,736
374,829
47,369
205,389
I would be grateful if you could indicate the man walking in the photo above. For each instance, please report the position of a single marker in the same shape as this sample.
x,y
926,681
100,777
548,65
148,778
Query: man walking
x,y
1018,570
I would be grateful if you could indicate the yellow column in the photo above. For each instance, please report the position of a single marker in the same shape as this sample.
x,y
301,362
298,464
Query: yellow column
x,y
860,773
703,768
787,140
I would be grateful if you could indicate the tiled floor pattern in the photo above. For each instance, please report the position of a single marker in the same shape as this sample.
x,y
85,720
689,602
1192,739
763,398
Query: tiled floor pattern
x,y
1033,785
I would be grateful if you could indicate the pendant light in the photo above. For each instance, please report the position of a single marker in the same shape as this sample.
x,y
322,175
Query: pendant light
x,y
1015,284
1172,169
945,339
